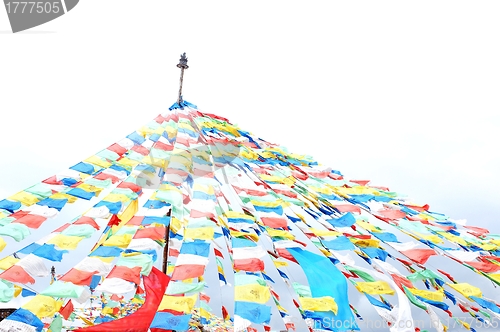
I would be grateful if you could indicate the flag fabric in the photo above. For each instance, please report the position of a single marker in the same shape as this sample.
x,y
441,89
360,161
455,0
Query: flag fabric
x,y
240,216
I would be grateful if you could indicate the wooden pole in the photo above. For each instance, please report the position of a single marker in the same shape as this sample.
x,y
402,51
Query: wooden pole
x,y
165,248
182,65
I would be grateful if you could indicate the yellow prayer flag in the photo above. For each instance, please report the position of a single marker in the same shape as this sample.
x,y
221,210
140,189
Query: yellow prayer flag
x,y
107,311
120,241
116,198
183,304
24,198
42,306
466,289
202,233
175,225
17,290
252,293
90,188
433,296
3,244
71,199
453,238
325,303
7,262
279,233
432,238
280,263
129,212
234,214
86,321
253,236
267,204
368,226
324,232
105,259
204,313
363,243
65,241
95,160
325,252
126,162
375,287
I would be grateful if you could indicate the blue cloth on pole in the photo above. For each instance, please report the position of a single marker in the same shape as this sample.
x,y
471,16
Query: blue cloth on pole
x,y
238,242
136,138
50,252
346,220
375,253
29,249
53,203
155,204
326,280
168,321
148,220
83,168
386,237
254,312
80,193
197,247
377,303
27,317
114,207
10,206
26,292
95,281
486,304
104,251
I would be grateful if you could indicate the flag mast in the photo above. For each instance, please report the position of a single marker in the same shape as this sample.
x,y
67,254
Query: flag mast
x,y
182,65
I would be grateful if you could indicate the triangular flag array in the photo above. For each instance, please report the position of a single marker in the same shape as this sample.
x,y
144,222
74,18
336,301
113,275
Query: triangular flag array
x,y
251,237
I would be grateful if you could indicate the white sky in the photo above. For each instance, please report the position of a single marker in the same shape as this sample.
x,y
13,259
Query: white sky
x,y
402,93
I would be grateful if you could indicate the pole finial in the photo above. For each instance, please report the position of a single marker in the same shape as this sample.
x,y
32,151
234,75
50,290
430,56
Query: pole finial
x,y
183,61
182,65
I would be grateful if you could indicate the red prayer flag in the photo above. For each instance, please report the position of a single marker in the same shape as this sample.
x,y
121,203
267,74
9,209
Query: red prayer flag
x,y
204,297
156,284
17,274
486,267
249,264
183,272
419,256
282,252
135,221
274,222
118,149
131,186
126,273
225,315
400,281
67,309
153,233
218,253
114,221
347,208
391,214
82,278
88,221
31,220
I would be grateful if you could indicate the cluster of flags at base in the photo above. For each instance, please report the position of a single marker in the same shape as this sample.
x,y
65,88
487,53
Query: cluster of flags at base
x,y
252,237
